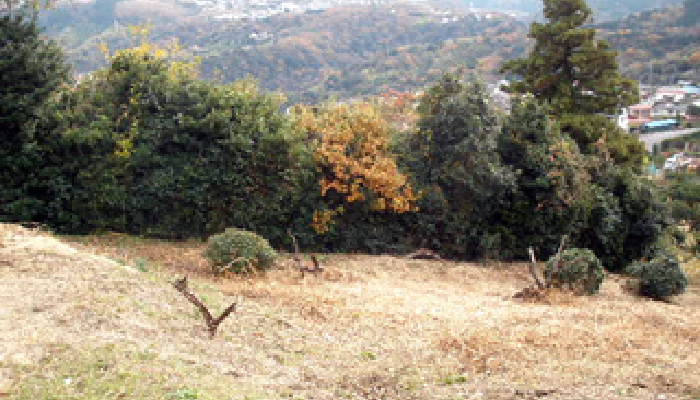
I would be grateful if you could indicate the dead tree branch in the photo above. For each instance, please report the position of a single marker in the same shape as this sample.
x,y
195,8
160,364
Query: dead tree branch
x,y
533,268
424,254
557,259
317,269
212,323
297,255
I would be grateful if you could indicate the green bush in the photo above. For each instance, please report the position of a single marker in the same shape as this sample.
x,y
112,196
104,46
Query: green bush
x,y
660,278
453,160
244,247
552,185
580,269
32,69
627,218
177,157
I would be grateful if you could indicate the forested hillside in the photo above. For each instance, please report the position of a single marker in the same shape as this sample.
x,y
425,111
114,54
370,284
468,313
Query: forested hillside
x,y
343,51
352,50
659,46
604,10
357,50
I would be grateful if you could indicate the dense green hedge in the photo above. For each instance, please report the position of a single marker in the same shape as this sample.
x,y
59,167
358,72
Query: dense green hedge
x,y
144,147
31,71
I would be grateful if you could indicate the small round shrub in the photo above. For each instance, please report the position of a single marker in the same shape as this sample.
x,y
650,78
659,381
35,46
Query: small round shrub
x,y
236,250
660,278
580,269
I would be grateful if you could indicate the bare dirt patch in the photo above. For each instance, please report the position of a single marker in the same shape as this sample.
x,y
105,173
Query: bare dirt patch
x,y
99,319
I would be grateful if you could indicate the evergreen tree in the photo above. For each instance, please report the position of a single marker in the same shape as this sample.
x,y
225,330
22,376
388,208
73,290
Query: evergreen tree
x,y
577,76
553,187
458,137
31,70
568,67
454,159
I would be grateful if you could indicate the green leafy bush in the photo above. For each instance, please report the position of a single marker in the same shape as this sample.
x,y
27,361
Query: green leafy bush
x,y
553,186
32,69
453,160
627,218
235,249
660,278
176,157
580,269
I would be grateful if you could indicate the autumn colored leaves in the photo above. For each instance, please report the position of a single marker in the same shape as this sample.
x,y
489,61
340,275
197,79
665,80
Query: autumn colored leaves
x,y
356,164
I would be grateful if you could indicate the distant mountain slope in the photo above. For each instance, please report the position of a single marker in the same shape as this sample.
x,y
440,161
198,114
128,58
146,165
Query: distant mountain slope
x,y
659,46
343,51
354,51
362,49
603,10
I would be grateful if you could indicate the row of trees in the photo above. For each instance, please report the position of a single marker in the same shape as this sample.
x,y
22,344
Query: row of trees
x,y
145,147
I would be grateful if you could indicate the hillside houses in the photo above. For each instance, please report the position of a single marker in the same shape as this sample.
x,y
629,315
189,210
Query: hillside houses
x,y
263,9
663,103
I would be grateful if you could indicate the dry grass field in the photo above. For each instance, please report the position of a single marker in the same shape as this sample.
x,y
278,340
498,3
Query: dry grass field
x,y
98,318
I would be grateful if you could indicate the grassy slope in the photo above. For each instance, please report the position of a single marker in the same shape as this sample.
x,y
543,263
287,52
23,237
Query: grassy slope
x,y
81,326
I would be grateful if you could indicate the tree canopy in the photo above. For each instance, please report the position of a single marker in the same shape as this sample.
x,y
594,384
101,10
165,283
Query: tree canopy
x,y
31,70
577,76
568,67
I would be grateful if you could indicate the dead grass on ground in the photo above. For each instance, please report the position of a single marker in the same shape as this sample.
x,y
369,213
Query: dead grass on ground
x,y
88,319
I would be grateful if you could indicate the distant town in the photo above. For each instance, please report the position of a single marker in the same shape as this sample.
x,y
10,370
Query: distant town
x,y
661,107
665,107
261,9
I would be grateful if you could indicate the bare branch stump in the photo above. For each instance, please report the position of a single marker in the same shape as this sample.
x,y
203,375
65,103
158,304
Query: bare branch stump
x,y
317,269
212,323
533,268
424,254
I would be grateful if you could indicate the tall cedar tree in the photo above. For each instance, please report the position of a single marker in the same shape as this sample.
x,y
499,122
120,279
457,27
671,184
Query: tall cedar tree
x,y
568,67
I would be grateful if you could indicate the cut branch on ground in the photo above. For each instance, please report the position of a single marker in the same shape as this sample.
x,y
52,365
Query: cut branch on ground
x,y
212,323
546,282
533,269
315,270
424,254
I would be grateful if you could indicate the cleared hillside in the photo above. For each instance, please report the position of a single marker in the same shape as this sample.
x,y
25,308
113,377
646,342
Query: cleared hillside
x,y
79,325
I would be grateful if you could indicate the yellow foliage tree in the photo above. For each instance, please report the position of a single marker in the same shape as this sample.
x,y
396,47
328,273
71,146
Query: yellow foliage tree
x,y
144,50
138,62
356,165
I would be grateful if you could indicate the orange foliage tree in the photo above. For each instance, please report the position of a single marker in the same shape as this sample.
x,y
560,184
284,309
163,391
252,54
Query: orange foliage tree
x,y
355,163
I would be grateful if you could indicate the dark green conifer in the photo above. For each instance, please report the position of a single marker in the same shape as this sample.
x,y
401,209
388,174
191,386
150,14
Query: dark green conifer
x,y
569,67
577,76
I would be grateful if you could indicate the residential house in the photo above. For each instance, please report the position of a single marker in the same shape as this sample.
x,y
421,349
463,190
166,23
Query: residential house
x,y
676,94
500,97
678,160
669,94
641,112
647,93
669,110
